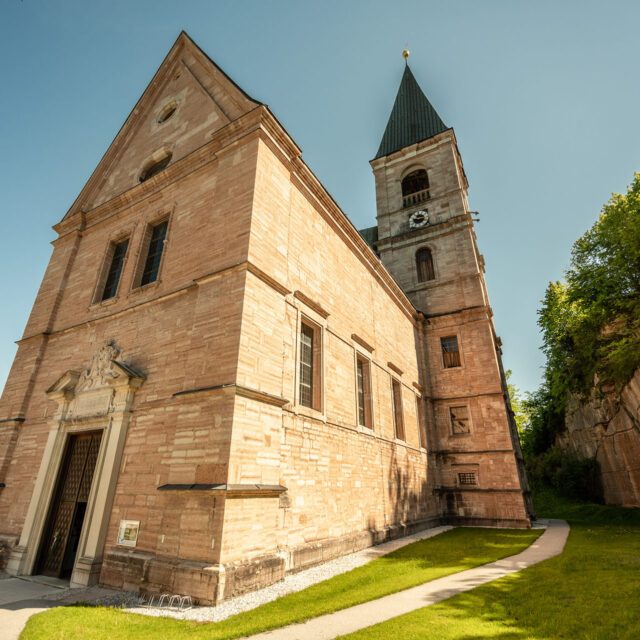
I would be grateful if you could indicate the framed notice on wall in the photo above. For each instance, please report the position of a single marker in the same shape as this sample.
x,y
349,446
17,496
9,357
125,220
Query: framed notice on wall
x,y
128,532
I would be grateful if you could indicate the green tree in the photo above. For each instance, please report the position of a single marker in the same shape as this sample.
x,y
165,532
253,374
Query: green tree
x,y
590,323
518,406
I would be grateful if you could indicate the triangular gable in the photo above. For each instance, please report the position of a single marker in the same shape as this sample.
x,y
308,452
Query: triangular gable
x,y
205,100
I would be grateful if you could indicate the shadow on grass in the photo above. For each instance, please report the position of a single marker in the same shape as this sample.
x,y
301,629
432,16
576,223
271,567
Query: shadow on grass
x,y
591,591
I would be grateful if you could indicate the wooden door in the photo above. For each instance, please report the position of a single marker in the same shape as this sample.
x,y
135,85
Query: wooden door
x,y
66,515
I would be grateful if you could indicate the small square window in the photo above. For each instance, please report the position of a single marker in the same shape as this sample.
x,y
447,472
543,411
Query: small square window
x,y
459,417
467,478
450,351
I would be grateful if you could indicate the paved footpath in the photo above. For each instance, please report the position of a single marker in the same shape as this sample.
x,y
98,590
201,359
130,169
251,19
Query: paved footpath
x,y
20,598
549,544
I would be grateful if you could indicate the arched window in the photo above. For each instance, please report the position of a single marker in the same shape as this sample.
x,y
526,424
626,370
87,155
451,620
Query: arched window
x,y
415,188
156,166
424,265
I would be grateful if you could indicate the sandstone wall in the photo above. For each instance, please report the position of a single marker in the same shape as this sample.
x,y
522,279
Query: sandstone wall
x,y
608,429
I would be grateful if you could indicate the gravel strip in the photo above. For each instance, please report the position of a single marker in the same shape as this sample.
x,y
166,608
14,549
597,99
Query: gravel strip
x,y
290,584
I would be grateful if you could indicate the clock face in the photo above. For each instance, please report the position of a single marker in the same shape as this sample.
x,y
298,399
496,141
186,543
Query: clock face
x,y
418,219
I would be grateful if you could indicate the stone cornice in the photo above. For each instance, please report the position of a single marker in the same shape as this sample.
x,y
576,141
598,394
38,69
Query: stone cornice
x,y
263,123
238,390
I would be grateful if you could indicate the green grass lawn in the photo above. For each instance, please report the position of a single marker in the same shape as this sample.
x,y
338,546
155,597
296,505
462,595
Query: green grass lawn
x,y
414,564
590,592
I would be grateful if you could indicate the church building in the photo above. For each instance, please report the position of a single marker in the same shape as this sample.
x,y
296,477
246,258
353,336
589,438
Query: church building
x,y
223,381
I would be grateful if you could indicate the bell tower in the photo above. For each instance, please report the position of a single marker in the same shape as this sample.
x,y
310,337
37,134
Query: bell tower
x,y
425,238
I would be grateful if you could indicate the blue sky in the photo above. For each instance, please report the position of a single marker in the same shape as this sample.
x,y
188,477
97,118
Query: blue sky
x,y
544,98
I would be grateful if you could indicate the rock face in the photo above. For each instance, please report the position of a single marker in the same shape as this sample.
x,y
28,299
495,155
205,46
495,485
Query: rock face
x,y
608,428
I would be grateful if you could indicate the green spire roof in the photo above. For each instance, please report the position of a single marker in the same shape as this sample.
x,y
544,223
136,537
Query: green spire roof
x,y
412,118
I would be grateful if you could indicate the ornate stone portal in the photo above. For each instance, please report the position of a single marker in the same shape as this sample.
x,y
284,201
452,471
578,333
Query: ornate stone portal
x,y
97,399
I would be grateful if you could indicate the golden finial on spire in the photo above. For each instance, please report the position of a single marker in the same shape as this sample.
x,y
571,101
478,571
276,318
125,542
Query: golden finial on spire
x,y
405,54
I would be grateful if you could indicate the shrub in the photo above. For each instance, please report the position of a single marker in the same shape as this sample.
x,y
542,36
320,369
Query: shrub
x,y
566,474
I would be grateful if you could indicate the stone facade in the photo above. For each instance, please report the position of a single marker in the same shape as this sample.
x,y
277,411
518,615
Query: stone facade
x,y
229,480
607,427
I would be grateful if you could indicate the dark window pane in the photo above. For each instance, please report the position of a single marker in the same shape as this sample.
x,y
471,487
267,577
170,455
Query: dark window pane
x,y
115,270
424,264
414,182
154,255
306,366
450,352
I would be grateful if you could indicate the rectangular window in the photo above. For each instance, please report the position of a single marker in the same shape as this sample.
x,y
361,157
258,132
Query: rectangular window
x,y
363,378
459,417
422,432
398,420
118,252
309,373
112,270
467,478
450,351
155,239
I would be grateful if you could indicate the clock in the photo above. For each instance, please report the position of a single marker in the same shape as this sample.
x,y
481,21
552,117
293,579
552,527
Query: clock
x,y
418,219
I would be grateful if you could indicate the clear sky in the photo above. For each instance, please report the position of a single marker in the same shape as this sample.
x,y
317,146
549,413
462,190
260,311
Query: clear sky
x,y
544,98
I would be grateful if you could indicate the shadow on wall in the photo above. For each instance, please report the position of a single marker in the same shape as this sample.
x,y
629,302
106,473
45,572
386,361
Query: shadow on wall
x,y
409,503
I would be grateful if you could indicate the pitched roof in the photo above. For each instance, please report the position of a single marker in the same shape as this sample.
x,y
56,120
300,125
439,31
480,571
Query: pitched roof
x,y
412,118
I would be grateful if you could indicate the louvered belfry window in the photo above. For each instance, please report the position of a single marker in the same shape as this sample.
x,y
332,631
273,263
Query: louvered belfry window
x,y
424,265
154,253
119,251
450,352
307,335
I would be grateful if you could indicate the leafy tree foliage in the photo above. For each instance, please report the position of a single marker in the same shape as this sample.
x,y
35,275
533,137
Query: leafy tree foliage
x,y
518,405
590,325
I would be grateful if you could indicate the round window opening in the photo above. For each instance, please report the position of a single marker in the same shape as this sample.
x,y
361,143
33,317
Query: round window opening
x,y
167,112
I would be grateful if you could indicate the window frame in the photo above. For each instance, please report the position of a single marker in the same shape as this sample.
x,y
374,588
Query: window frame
x,y
442,352
103,273
450,409
367,397
397,410
317,377
412,198
420,420
467,476
430,262
143,252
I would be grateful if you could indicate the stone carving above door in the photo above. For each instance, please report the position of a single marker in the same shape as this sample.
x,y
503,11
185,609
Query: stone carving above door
x,y
94,391
102,369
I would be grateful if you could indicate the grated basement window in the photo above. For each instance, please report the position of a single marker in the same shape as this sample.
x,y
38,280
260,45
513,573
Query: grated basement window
x,y
467,478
